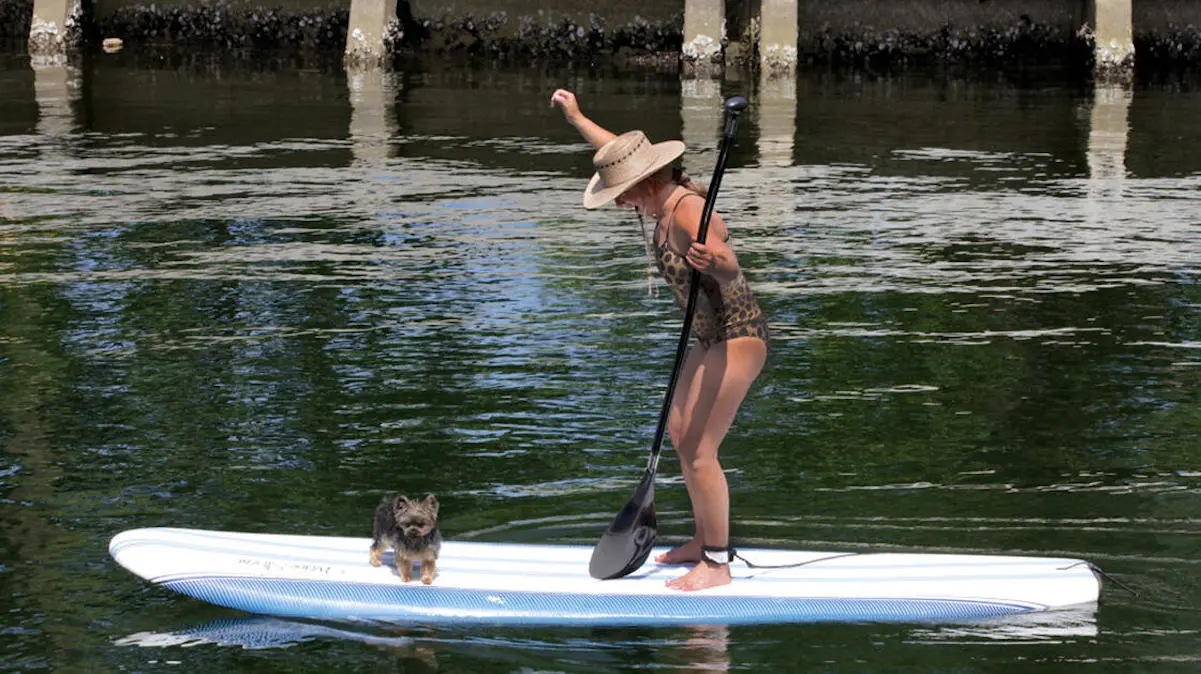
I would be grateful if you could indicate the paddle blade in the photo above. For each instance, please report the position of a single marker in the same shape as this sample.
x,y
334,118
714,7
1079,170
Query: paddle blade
x,y
629,539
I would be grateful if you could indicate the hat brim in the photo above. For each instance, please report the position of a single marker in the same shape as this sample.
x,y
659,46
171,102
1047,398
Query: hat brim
x,y
598,194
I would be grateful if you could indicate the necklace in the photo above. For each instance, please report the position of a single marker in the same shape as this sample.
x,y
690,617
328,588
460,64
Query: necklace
x,y
652,290
650,241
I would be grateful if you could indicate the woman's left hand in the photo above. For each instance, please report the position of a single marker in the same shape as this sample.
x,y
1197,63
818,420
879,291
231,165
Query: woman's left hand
x,y
701,257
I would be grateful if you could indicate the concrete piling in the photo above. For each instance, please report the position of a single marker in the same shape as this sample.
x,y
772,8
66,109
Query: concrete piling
x,y
54,29
704,32
373,28
778,36
1113,33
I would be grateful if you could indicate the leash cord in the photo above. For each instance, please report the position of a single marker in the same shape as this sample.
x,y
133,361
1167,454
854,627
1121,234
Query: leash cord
x,y
1104,576
738,555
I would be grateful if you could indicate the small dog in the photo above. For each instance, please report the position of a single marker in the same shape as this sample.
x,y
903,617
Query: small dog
x,y
410,528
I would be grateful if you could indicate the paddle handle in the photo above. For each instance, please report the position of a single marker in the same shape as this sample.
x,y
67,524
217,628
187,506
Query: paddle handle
x,y
734,107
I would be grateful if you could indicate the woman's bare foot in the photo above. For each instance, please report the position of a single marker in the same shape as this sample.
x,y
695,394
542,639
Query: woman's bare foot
x,y
703,575
689,552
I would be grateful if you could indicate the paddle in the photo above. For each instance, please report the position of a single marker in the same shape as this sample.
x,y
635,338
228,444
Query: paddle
x,y
628,541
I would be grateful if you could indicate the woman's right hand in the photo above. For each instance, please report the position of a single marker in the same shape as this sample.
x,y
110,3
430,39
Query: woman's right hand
x,y
566,101
596,135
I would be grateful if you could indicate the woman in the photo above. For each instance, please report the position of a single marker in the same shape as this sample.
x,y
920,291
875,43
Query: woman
x,y
730,329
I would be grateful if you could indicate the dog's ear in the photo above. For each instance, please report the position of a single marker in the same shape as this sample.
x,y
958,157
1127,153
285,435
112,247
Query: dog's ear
x,y
431,504
402,503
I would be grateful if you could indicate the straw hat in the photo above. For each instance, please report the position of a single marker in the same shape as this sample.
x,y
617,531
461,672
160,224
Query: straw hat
x,y
623,162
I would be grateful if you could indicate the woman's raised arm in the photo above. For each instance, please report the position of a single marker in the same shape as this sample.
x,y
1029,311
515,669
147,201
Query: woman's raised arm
x,y
590,130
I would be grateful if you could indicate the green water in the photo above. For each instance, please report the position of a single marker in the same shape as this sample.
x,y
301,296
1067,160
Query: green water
x,y
258,295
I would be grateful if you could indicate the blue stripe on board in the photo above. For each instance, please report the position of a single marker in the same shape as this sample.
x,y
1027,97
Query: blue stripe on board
x,y
344,601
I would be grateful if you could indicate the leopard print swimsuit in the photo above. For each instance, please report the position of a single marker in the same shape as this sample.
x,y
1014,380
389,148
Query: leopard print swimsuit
x,y
722,312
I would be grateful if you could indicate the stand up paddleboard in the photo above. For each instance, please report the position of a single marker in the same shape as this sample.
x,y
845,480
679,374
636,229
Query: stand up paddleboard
x,y
327,577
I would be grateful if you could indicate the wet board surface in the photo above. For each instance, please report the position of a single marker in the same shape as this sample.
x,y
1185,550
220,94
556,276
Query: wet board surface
x,y
328,577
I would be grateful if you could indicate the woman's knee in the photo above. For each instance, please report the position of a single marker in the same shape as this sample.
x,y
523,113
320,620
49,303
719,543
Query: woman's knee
x,y
703,463
676,426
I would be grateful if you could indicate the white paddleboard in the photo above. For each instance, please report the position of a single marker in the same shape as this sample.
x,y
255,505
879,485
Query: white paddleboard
x,y
329,577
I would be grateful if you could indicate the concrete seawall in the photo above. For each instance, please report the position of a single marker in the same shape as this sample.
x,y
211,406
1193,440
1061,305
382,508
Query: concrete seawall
x,y
767,32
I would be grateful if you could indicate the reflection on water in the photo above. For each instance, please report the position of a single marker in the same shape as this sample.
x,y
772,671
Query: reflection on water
x,y
1049,627
256,297
699,648
260,632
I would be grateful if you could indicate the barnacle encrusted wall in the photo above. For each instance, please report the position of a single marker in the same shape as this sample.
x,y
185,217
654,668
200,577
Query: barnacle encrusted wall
x,y
499,28
979,32
14,19
1167,33
237,23
540,28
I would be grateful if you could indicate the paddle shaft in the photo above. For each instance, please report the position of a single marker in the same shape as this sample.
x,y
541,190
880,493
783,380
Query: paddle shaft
x,y
735,107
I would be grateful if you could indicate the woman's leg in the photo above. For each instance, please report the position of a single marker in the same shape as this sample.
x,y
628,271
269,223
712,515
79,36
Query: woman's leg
x,y
688,389
718,386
